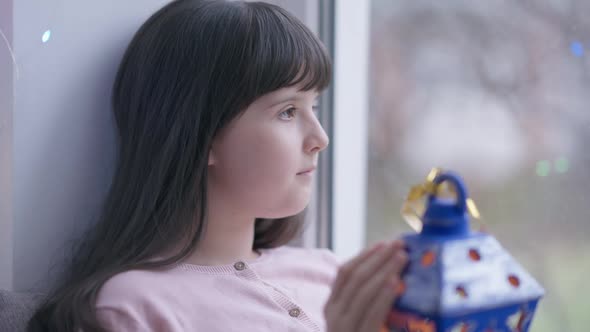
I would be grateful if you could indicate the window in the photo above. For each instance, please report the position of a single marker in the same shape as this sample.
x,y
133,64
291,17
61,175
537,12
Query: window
x,y
494,90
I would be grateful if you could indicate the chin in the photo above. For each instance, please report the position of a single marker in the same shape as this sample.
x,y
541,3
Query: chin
x,y
293,208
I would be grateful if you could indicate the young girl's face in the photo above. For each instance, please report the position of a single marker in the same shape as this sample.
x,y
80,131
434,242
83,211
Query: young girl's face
x,y
258,163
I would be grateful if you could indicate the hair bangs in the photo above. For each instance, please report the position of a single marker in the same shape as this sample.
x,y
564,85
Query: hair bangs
x,y
286,53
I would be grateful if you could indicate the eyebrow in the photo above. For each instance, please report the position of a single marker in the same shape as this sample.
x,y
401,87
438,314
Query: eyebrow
x,y
280,100
283,100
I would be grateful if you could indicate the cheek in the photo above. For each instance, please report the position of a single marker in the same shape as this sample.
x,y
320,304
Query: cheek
x,y
257,166
261,157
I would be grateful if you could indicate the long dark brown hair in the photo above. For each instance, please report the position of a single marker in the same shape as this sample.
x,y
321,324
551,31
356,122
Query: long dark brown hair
x,y
191,68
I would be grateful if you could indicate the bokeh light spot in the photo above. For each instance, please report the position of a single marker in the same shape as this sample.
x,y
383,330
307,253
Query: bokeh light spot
x,y
577,49
561,165
46,36
543,168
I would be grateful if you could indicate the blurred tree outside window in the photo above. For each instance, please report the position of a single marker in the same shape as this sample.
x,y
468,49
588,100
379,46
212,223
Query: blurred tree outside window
x,y
498,91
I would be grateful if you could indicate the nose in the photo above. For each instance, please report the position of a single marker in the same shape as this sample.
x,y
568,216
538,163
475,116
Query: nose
x,y
317,139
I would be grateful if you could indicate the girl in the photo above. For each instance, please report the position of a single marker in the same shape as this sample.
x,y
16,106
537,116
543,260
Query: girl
x,y
218,142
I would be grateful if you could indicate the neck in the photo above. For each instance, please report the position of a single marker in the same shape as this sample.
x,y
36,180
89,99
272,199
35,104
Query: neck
x,y
225,243
228,236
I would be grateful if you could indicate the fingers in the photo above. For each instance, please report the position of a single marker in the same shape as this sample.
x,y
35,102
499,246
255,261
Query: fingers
x,y
382,292
335,319
370,290
364,270
363,289
345,271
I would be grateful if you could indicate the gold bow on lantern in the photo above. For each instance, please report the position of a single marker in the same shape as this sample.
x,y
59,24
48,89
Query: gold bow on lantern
x,y
415,204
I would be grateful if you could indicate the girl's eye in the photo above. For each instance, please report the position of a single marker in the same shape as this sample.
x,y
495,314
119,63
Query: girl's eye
x,y
288,114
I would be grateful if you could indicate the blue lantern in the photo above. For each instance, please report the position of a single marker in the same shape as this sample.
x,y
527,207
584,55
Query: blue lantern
x,y
458,280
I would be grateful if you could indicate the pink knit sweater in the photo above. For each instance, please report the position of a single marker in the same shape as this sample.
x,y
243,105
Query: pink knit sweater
x,y
284,289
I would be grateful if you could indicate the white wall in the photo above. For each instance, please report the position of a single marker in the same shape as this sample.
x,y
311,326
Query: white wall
x,y
61,132
57,139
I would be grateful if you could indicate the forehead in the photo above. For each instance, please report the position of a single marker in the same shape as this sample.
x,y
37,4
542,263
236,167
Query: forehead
x,y
285,94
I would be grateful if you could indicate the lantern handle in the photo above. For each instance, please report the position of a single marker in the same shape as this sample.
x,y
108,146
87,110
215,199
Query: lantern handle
x,y
457,183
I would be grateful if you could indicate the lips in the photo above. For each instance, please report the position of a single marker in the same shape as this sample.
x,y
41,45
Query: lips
x,y
307,170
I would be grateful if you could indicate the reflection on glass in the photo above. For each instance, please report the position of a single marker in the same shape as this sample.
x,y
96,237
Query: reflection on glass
x,y
497,91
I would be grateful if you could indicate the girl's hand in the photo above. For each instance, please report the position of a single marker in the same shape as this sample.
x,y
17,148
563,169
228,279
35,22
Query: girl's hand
x,y
365,288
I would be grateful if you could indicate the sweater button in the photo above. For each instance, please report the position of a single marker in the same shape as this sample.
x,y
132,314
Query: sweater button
x,y
240,266
295,312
